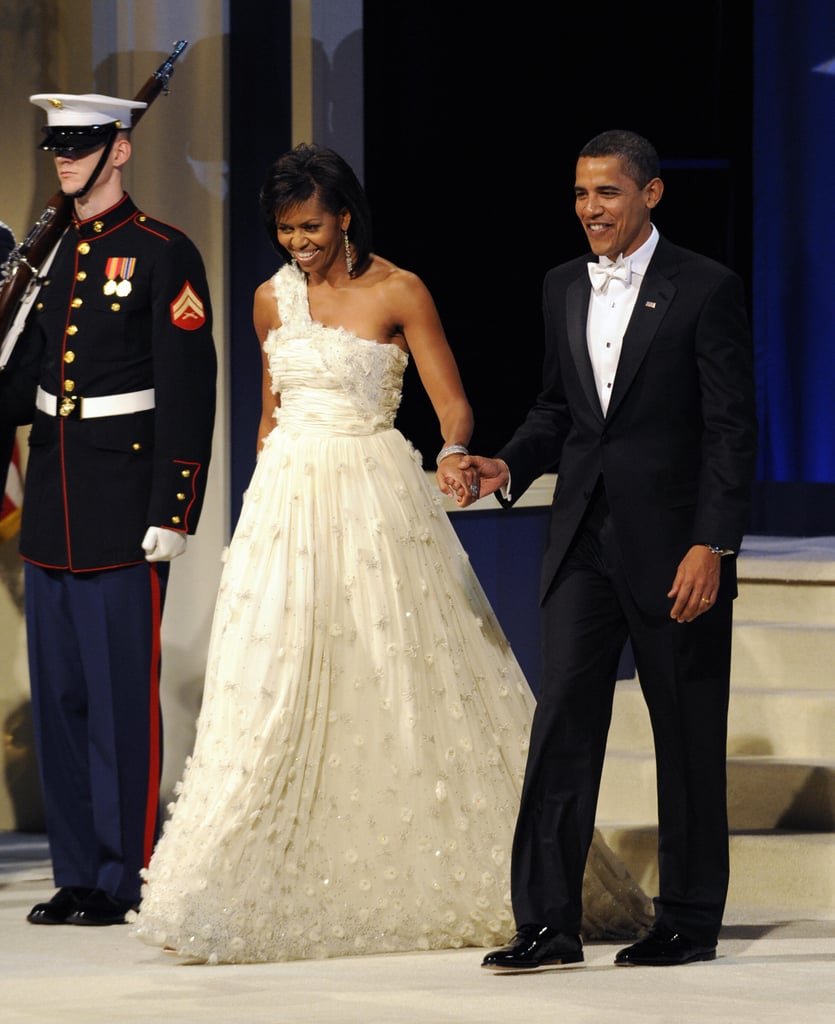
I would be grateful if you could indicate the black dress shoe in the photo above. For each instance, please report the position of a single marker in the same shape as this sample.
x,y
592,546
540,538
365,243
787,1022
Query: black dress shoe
x,y
663,948
59,908
536,947
100,908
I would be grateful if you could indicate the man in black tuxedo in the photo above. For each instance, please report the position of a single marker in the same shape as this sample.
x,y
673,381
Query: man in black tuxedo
x,y
647,410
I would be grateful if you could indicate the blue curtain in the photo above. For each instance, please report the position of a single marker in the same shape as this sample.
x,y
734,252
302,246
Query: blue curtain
x,y
794,229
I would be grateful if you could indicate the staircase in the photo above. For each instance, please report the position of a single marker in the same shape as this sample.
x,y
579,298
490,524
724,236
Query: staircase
x,y
781,738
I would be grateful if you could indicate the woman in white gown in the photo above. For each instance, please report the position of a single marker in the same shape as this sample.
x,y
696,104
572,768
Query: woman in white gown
x,y
361,744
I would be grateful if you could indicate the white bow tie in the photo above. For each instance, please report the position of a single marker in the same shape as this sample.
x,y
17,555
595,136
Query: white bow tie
x,y
602,273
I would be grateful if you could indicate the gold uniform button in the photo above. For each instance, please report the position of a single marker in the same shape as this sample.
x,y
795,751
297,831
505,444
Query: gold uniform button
x,y
98,227
69,385
39,306
81,275
115,306
69,356
84,248
142,218
72,329
175,520
76,302
181,496
137,447
185,473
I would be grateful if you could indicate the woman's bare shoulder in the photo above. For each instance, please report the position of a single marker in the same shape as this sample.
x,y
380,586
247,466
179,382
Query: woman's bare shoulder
x,y
265,307
395,279
265,290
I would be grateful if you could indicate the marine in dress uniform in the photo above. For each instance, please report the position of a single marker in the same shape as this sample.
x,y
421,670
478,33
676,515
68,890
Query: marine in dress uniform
x,y
119,355
7,428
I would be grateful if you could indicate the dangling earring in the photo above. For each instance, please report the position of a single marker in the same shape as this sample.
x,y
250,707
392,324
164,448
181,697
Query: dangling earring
x,y
349,263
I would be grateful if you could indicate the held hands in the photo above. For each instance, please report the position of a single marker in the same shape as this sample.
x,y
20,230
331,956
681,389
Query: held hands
x,y
696,584
455,482
161,544
466,478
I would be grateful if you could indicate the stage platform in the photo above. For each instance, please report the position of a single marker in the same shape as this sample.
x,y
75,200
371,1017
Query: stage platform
x,y
776,957
773,965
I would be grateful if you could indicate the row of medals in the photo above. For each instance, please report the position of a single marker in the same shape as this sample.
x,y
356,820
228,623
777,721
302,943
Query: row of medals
x,y
121,289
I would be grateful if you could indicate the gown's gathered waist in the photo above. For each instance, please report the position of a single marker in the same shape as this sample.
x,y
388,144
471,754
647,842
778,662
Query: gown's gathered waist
x,y
329,413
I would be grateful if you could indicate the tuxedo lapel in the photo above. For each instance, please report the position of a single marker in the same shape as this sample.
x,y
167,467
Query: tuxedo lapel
x,y
576,316
654,299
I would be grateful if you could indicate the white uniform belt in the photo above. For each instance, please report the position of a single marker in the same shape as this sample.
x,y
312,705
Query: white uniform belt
x,y
92,408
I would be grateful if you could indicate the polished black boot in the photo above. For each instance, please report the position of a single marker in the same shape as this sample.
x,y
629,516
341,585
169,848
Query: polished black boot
x,y
664,948
59,908
536,947
100,908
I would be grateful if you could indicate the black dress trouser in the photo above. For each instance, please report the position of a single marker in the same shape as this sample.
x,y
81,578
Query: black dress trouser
x,y
684,671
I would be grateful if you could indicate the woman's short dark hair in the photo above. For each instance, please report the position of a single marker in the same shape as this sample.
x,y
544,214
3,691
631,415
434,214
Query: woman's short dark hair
x,y
311,170
637,154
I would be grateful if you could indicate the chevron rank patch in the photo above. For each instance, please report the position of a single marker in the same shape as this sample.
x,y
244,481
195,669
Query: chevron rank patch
x,y
187,310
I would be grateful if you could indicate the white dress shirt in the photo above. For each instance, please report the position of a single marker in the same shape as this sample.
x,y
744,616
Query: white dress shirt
x,y
609,313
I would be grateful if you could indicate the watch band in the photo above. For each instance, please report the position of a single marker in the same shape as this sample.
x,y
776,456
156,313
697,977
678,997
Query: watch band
x,y
714,550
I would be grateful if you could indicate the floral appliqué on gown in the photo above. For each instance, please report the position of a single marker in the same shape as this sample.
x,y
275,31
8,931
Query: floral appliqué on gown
x,y
361,744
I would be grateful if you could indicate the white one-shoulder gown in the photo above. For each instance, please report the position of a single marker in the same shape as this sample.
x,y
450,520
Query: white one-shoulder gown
x,y
361,744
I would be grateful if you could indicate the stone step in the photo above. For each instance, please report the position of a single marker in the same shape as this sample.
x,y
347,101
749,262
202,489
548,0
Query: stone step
x,y
787,558
781,776
627,788
768,869
763,792
775,723
787,579
783,655
798,602
781,794
782,723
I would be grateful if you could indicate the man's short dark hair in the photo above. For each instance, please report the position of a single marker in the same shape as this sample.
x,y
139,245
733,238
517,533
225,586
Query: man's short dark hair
x,y
637,154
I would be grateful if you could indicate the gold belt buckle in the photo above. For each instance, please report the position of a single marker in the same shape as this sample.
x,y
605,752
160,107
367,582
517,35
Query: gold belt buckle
x,y
67,406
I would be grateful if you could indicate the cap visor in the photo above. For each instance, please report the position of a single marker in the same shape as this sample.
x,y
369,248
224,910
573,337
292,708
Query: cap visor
x,y
70,139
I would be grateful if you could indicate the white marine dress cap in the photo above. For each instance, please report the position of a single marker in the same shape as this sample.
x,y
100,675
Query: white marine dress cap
x,y
76,122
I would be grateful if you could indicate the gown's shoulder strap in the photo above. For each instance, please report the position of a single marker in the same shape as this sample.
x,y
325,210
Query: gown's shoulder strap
x,y
290,289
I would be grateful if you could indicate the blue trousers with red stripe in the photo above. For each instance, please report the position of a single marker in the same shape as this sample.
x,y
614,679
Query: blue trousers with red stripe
x,y
94,662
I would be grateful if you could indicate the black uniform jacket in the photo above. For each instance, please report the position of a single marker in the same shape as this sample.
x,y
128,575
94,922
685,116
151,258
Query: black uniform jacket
x,y
125,310
7,428
677,446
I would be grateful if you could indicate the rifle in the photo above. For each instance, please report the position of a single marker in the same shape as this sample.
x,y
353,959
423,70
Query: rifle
x,y
21,277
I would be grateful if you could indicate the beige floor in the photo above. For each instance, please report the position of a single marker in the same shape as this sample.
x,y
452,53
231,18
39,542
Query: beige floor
x,y
774,965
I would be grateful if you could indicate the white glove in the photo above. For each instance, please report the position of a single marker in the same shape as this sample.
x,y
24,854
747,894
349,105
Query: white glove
x,y
161,545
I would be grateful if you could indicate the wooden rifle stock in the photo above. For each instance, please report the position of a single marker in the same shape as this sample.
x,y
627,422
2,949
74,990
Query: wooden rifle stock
x,y
25,260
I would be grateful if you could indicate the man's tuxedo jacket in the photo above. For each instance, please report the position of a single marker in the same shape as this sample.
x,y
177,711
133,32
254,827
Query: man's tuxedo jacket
x,y
677,447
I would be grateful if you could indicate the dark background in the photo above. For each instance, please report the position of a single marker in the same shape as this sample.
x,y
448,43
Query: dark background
x,y
472,127
472,123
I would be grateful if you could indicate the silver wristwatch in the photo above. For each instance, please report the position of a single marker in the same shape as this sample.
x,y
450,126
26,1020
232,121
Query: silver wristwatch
x,y
718,551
